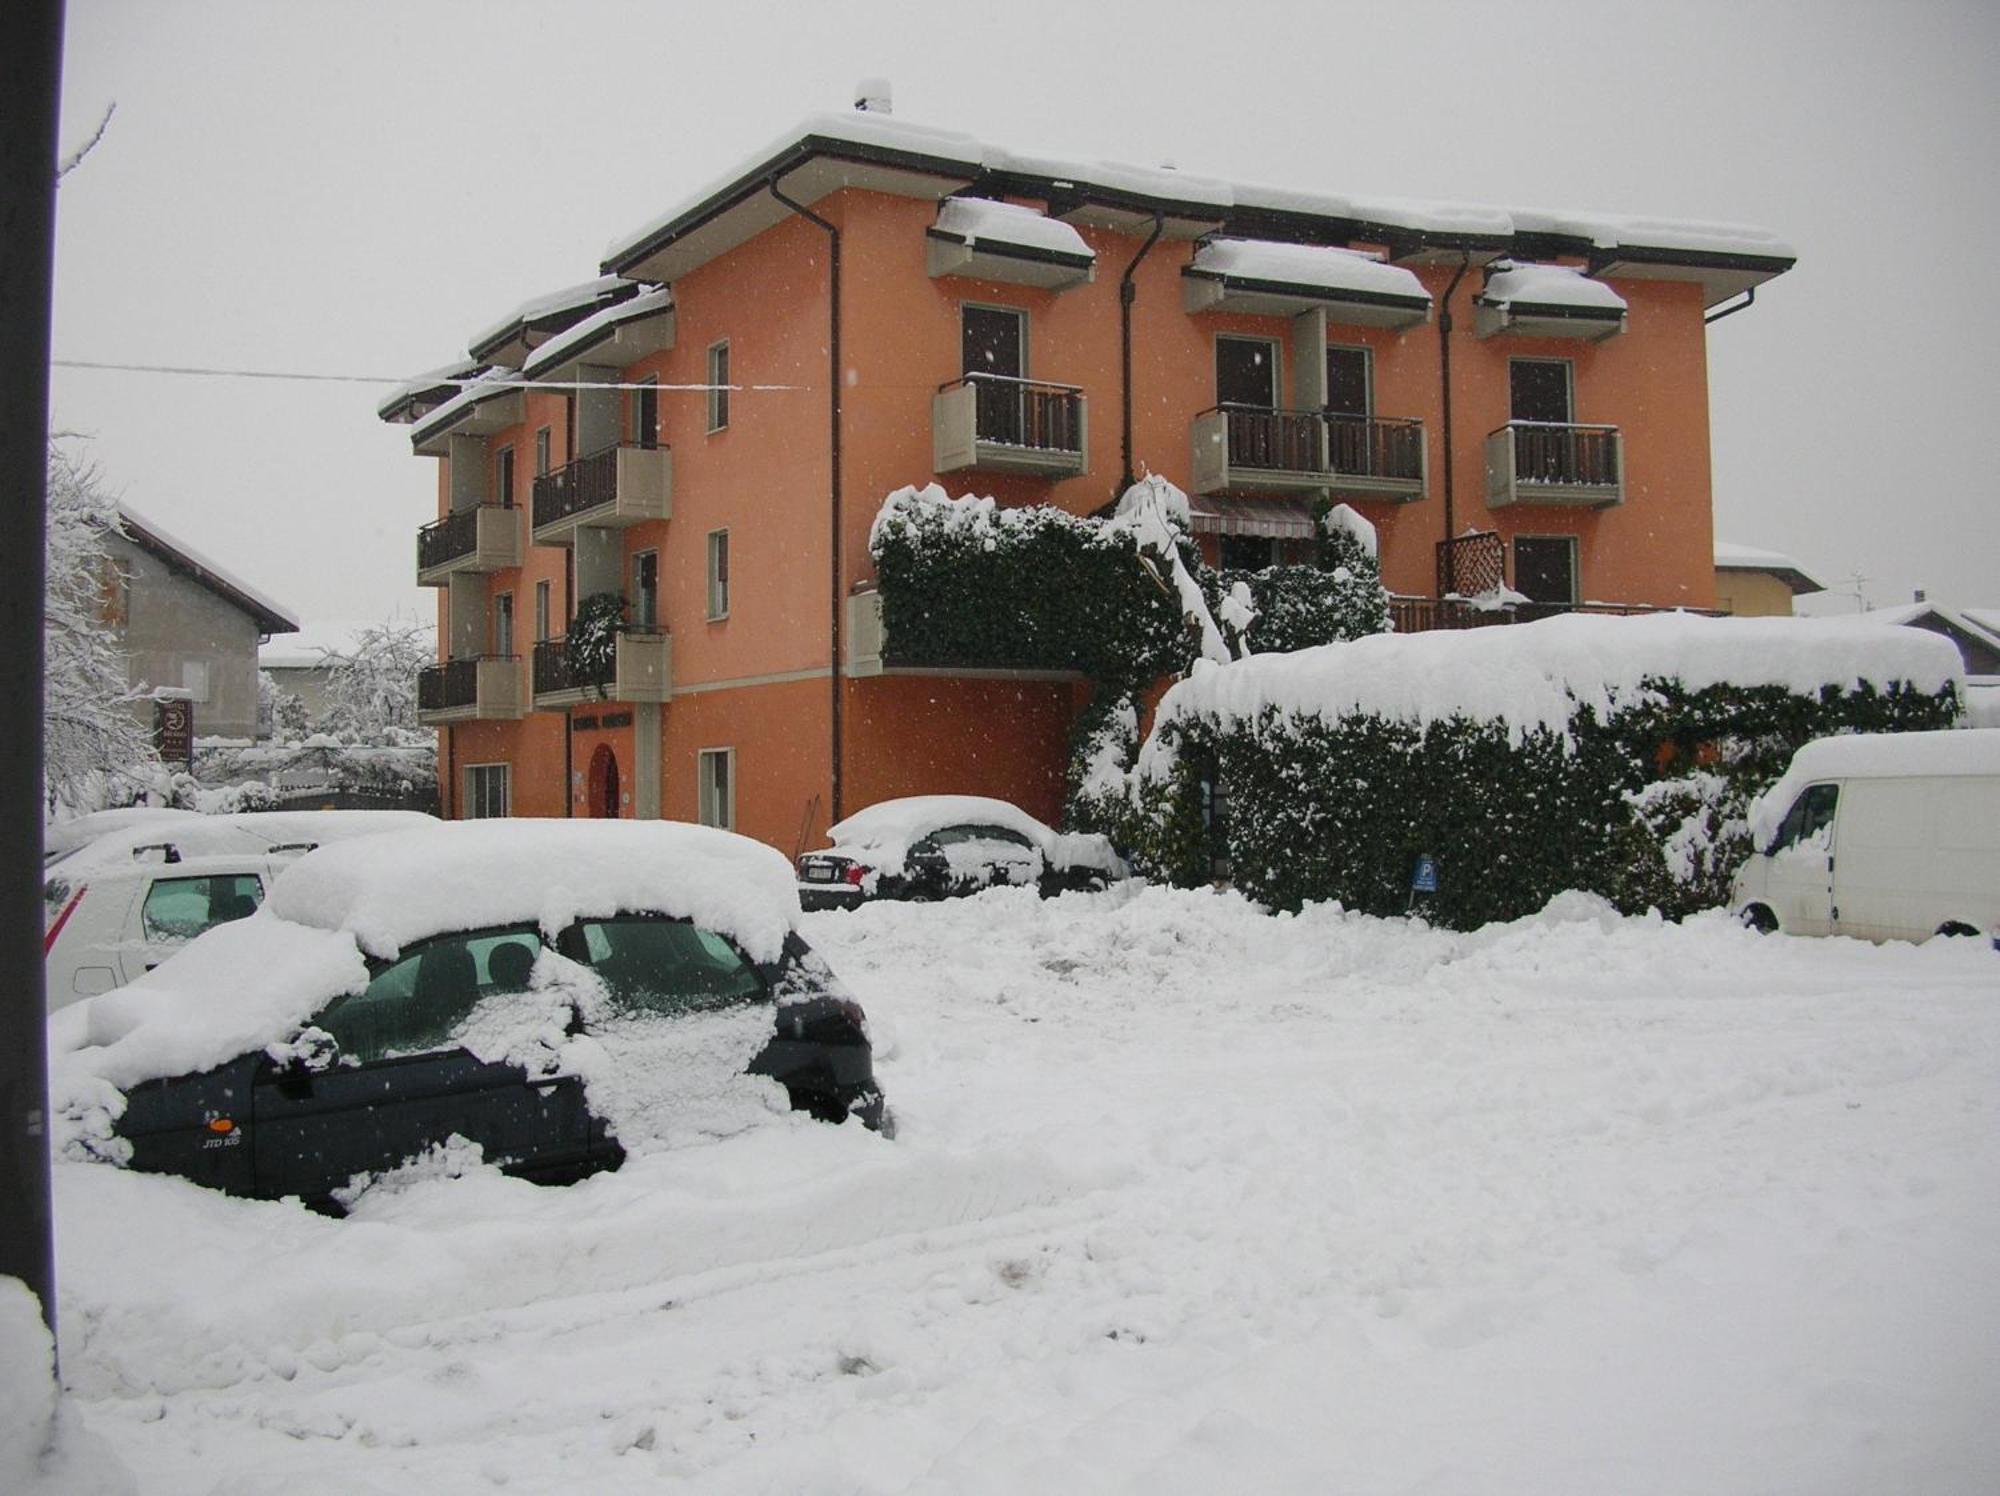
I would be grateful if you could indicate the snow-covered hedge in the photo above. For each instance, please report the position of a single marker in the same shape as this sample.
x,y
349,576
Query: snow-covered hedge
x,y
1614,755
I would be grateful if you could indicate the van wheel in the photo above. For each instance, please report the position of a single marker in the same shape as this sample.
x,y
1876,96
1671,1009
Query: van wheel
x,y
1759,918
1956,927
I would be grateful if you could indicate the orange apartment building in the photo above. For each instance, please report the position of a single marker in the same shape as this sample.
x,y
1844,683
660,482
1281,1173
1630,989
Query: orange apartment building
x,y
708,430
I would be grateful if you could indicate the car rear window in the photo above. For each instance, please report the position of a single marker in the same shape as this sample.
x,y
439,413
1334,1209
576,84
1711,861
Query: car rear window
x,y
660,965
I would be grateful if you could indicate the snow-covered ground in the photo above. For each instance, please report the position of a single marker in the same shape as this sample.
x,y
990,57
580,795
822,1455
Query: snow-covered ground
x,y
1186,1199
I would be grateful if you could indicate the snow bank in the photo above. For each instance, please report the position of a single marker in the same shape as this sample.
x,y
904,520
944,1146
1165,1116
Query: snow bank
x,y
1534,675
1948,754
390,890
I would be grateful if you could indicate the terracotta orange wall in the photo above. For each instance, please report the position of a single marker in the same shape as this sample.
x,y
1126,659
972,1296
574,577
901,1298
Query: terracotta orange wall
x,y
780,734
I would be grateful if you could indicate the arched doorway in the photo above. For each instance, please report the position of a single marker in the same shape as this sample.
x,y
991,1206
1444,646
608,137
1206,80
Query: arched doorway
x,y
604,782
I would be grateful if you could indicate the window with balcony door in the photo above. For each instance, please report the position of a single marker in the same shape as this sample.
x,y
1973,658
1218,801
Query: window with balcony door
x,y
646,590
542,611
646,415
1350,383
1538,389
1246,372
1545,573
718,386
503,624
503,477
993,356
542,452
718,574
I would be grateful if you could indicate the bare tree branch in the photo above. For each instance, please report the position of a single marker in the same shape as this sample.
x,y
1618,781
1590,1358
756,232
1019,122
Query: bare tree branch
x,y
75,158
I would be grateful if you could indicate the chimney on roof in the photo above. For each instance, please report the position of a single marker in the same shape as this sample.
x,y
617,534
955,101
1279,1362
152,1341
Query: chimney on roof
x,y
1920,596
873,96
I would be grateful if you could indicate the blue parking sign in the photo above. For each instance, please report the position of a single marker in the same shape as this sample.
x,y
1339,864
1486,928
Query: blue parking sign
x,y
1424,877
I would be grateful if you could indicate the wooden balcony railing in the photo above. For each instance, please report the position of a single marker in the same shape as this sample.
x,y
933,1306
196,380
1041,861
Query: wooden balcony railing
x,y
1025,412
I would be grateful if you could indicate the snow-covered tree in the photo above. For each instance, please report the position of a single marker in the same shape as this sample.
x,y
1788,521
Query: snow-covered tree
x,y
371,689
281,714
91,739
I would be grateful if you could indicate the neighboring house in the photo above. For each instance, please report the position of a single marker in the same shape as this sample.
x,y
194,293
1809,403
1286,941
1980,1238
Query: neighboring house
x,y
1976,632
187,626
1758,584
298,662
708,429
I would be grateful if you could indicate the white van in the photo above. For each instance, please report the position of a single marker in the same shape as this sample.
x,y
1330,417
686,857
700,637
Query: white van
x,y
1885,836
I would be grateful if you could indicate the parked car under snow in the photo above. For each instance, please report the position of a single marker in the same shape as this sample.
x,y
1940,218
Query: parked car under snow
x,y
551,993
943,846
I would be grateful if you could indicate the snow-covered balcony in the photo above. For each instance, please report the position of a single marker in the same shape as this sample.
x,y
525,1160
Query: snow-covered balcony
x,y
995,423
1547,301
483,688
1249,449
994,241
1541,462
1286,280
477,538
640,668
619,486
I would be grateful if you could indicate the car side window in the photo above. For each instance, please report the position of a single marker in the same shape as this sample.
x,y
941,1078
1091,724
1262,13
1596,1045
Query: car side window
x,y
1809,816
420,1000
658,965
181,908
954,835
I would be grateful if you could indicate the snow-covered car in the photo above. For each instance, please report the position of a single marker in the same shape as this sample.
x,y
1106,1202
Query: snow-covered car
x,y
550,994
126,889
942,846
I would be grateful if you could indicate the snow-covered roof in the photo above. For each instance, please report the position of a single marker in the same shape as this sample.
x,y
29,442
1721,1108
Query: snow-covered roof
x,y
1949,754
1533,675
431,388
1730,557
394,889
977,220
595,328
1337,273
488,384
557,307
142,532
1727,254
1550,285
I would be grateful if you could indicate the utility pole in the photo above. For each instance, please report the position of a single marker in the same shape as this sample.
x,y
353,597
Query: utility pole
x,y
30,81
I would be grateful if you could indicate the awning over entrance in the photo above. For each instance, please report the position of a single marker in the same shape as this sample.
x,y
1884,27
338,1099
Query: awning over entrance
x,y
1275,519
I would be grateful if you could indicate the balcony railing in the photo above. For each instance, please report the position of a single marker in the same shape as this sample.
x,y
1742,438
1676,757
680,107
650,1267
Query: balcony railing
x,y
619,486
1416,615
479,538
470,688
999,423
1257,448
637,668
1545,462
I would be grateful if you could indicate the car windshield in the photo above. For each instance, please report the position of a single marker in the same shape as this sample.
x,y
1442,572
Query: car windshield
x,y
654,964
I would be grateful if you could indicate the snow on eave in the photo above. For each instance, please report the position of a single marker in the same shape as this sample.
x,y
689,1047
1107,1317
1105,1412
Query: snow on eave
x,y
449,375
489,384
1340,271
1775,563
898,142
269,616
982,222
649,303
1532,676
571,301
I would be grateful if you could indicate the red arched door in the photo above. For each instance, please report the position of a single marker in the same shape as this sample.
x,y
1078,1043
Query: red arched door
x,y
604,782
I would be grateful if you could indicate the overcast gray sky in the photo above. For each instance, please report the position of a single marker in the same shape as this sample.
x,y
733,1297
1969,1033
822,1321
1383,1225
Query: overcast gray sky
x,y
356,188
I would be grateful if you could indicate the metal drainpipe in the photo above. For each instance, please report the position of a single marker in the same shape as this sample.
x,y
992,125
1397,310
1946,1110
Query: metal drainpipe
x,y
1127,294
1450,578
836,813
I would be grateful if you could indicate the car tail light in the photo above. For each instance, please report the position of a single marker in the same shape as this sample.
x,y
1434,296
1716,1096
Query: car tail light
x,y
855,873
56,925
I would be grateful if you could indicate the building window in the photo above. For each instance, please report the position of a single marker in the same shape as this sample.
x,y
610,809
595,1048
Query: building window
x,y
541,611
1349,382
718,386
993,354
1545,572
503,624
646,414
718,573
1538,389
1248,552
646,590
486,791
542,452
1246,372
503,476
717,778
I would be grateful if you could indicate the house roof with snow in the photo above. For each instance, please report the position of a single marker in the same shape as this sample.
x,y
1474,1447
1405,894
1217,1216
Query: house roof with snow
x,y
1771,563
873,150
1972,630
185,559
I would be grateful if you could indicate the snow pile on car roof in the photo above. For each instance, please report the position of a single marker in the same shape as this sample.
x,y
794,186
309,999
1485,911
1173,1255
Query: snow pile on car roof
x,y
245,833
1535,675
393,889
900,822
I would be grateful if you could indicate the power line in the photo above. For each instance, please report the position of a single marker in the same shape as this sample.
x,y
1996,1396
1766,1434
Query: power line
x,y
428,381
